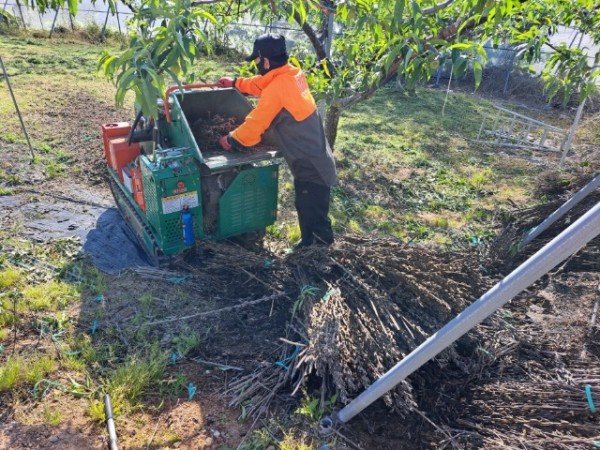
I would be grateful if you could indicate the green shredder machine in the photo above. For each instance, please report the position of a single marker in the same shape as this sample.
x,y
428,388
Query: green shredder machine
x,y
194,190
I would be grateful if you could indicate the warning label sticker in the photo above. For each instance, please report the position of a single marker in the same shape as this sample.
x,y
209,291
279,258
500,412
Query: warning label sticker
x,y
178,202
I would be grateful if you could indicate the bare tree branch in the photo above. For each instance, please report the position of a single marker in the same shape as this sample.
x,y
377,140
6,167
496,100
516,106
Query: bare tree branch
x,y
129,4
436,8
311,34
205,2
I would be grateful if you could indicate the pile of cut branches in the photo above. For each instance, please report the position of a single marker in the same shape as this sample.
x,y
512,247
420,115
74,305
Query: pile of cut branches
x,y
207,131
545,412
363,305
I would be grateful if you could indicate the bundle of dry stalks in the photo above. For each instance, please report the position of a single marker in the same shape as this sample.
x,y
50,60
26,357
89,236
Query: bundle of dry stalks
x,y
364,304
544,414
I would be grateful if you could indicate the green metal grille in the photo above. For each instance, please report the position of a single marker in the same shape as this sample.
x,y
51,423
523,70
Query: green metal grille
x,y
162,183
250,202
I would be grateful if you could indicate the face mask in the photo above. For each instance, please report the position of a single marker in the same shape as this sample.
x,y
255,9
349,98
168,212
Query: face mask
x,y
261,67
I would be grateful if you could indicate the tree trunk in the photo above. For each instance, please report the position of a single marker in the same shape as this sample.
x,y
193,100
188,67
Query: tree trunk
x,y
332,119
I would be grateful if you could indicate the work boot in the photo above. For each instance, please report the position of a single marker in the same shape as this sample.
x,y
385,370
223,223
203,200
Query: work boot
x,y
299,246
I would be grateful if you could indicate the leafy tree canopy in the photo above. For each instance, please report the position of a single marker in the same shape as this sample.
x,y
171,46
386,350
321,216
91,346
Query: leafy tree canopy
x,y
374,42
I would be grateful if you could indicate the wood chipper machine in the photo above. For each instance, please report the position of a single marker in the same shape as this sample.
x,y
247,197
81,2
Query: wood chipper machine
x,y
175,186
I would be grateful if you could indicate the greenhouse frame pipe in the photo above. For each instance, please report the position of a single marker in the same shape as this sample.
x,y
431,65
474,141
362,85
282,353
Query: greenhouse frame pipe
x,y
565,208
561,247
110,423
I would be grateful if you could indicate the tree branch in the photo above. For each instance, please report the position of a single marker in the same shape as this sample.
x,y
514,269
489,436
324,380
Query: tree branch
x,y
311,34
205,2
436,8
129,4
360,96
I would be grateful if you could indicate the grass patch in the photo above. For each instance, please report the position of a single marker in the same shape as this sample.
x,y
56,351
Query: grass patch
x,y
18,370
291,442
260,440
129,381
52,416
399,158
50,296
10,277
292,233
9,178
186,342
4,332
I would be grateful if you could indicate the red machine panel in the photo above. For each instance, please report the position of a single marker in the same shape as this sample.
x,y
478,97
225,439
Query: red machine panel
x,y
121,154
112,130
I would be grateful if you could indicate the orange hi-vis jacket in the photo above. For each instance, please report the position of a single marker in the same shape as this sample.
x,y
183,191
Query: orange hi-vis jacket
x,y
281,88
287,109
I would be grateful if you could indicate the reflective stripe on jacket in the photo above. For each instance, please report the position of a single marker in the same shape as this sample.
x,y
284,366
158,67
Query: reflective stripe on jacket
x,y
287,108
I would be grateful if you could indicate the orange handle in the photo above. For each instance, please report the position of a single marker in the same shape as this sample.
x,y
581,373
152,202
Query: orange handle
x,y
175,87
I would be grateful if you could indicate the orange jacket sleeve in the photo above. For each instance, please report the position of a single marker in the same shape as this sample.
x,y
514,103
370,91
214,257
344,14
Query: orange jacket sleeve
x,y
269,105
249,86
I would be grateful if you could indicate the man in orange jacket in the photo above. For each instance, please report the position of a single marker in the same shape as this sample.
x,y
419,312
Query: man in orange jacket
x,y
286,107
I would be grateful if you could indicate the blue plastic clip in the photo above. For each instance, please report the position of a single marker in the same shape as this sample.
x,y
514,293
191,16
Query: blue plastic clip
x,y
1,348
94,327
99,298
191,391
285,361
590,400
174,358
268,263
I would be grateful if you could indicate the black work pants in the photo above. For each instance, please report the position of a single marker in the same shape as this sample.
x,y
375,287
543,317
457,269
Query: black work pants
x,y
312,204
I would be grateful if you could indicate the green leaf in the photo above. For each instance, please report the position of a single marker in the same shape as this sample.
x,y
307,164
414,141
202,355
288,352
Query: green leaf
x,y
73,4
208,15
477,72
398,13
294,62
325,66
461,68
460,46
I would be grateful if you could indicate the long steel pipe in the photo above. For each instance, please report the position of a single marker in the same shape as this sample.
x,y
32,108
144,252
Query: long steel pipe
x,y
564,245
110,423
564,208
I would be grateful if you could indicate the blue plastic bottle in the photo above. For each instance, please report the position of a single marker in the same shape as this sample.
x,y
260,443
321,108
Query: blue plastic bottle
x,y
188,228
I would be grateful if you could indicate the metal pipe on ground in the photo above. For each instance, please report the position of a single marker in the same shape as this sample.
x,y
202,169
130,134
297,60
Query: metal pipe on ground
x,y
569,141
560,212
560,248
110,423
